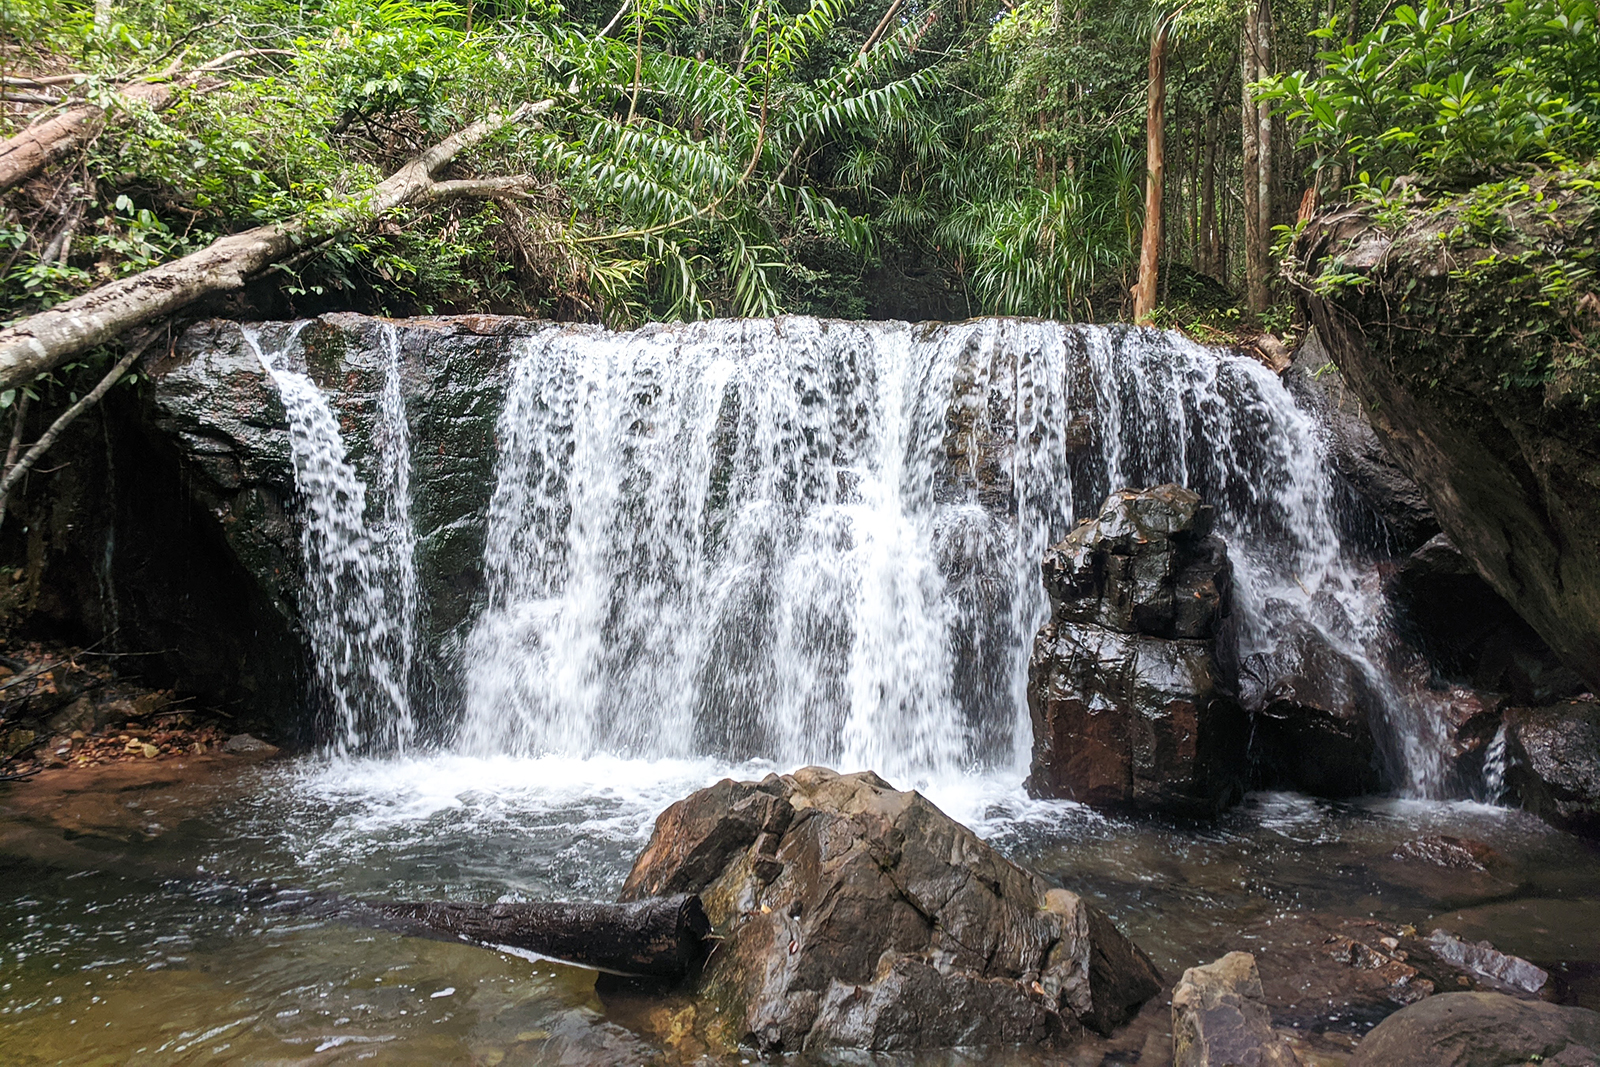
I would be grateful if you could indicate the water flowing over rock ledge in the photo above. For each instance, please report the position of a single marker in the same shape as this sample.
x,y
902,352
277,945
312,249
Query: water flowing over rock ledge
x,y
833,528
797,539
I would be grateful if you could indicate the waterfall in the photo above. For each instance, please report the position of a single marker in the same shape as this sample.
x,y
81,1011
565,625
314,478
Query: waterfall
x,y
820,541
1496,762
358,593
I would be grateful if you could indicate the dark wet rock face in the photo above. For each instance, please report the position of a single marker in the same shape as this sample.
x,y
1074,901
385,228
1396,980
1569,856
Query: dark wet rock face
x,y
854,915
1479,1029
1487,415
1219,1018
1469,632
213,405
1553,763
1312,729
1359,456
1124,685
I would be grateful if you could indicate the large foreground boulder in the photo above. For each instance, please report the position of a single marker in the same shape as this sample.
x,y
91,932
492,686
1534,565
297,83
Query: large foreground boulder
x,y
855,915
1482,1030
1124,686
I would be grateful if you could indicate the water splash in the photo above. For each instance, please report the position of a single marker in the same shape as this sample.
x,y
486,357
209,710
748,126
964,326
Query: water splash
x,y
1496,762
813,541
358,593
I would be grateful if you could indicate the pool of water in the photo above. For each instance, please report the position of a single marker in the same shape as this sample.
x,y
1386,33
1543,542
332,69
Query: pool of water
x,y
148,913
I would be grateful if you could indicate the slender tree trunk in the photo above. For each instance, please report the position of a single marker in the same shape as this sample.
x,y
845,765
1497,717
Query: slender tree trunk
x,y
44,341
1209,237
1144,292
12,453
1267,196
1256,133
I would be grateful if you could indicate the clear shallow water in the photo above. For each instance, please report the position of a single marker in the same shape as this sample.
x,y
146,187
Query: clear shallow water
x,y
126,935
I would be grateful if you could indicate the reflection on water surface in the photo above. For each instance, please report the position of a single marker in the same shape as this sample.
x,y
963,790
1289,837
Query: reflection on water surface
x,y
147,914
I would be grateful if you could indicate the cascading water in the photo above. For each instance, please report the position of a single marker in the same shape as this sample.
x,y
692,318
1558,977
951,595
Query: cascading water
x,y
820,541
358,599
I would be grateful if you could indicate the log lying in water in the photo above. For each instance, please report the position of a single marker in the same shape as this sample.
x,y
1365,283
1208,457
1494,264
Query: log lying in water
x,y
662,937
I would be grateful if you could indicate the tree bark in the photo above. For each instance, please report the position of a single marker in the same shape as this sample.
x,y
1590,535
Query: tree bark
x,y
1144,292
662,937
44,341
1255,62
35,148
1265,175
1209,236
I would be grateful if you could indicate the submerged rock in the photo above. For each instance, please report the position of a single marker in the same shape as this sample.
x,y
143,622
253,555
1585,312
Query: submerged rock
x,y
1123,686
1484,959
1219,1018
855,915
1482,1029
245,745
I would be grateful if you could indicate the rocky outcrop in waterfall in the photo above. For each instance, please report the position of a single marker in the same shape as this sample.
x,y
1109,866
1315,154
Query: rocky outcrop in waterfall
x,y
1129,703
1551,763
855,915
213,402
1472,345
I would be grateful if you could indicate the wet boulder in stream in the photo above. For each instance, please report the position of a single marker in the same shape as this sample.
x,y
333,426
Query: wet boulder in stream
x,y
855,915
1480,1030
1124,686
1553,763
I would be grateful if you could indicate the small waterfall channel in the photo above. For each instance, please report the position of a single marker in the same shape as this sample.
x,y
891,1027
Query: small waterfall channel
x,y
359,597
812,541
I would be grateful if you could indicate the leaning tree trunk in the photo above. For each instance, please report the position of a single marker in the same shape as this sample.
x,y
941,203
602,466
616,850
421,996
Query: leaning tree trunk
x,y
1144,292
662,937
38,146
44,341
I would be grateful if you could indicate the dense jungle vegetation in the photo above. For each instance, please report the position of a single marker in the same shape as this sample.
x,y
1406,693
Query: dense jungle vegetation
x,y
715,157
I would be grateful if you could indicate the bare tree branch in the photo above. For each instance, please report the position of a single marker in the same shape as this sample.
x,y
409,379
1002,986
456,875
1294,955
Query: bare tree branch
x,y
90,399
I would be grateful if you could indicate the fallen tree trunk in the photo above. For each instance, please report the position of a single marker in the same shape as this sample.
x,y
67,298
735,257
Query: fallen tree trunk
x,y
662,937
35,148
44,341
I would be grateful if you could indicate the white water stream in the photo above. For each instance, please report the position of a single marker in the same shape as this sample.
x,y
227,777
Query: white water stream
x,y
804,541
359,593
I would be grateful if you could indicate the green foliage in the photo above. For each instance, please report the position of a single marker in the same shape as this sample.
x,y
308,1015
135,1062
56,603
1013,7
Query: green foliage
x,y
1454,92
